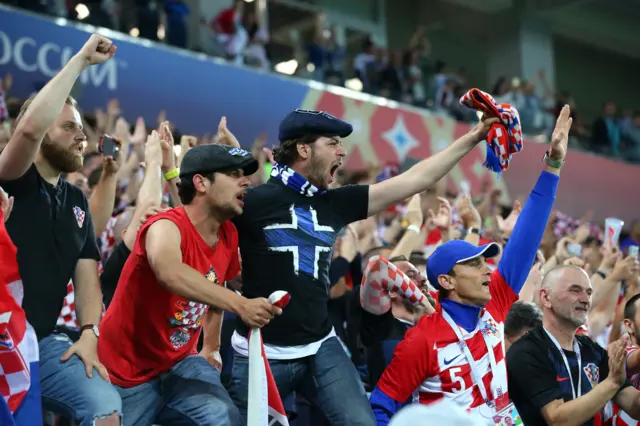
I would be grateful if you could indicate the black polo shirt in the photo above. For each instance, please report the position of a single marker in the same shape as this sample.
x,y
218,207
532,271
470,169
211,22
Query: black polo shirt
x,y
537,373
52,228
286,243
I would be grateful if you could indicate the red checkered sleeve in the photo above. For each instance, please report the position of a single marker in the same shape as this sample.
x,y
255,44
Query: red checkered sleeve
x,y
380,277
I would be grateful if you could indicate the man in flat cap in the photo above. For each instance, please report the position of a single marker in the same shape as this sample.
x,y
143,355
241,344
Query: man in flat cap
x,y
172,284
287,233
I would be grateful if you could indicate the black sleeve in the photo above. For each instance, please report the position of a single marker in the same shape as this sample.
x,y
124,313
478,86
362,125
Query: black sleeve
x,y
90,249
111,272
338,269
371,328
23,184
351,202
531,372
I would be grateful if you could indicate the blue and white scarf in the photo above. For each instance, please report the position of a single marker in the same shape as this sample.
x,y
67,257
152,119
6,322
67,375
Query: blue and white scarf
x,y
295,181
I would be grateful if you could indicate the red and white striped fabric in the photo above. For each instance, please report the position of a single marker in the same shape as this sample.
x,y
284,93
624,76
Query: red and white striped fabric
x,y
18,341
431,355
621,418
265,407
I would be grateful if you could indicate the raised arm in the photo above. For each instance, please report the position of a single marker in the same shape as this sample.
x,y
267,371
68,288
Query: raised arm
x,y
379,278
521,249
427,172
44,109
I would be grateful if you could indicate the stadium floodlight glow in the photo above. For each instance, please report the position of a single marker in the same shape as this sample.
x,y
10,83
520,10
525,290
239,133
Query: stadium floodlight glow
x,y
134,32
82,10
161,32
288,67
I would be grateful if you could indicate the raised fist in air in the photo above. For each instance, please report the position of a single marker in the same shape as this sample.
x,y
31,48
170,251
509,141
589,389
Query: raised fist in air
x,y
97,50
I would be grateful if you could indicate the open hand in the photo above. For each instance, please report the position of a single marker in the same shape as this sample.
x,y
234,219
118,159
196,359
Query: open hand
x,y
560,135
87,350
224,135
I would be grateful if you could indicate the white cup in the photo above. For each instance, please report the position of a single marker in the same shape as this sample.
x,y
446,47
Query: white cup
x,y
633,251
612,229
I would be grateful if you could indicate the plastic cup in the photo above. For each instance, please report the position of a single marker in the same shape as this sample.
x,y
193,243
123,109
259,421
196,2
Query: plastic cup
x,y
633,251
612,229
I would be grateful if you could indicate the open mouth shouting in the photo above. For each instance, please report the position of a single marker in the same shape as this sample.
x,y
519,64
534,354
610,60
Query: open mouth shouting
x,y
333,170
240,198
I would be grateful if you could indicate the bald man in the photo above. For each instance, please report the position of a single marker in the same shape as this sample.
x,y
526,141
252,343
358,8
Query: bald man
x,y
556,377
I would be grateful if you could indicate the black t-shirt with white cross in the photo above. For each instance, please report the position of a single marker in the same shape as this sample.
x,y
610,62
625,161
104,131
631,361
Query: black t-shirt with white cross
x,y
52,229
286,243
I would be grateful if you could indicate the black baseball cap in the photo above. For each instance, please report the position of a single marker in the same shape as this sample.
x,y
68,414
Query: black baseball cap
x,y
216,157
303,122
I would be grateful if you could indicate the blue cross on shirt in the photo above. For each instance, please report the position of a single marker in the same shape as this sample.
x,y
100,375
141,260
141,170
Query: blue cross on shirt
x,y
304,238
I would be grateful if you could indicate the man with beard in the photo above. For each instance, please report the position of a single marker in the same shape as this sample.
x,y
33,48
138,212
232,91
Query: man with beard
x,y
287,234
556,377
52,229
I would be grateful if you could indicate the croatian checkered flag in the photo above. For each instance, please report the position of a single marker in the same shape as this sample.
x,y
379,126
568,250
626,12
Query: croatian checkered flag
x,y
505,137
19,378
265,406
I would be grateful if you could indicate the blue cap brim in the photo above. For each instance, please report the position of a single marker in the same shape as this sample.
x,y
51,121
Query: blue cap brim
x,y
488,251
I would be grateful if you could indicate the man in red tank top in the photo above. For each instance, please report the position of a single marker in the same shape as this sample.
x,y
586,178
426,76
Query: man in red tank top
x,y
172,284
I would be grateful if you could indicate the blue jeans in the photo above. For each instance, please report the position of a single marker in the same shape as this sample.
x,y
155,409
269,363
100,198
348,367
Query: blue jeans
x,y
66,389
189,394
328,379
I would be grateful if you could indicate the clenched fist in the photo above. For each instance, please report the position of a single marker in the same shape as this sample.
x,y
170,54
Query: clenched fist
x,y
258,312
97,50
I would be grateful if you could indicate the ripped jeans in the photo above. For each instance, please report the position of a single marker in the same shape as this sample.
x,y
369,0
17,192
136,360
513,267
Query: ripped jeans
x,y
66,389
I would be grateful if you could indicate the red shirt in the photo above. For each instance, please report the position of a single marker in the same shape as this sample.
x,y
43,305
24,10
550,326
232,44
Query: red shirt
x,y
147,329
225,21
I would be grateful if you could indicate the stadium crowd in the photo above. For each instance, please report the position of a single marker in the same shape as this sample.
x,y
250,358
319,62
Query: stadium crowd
x,y
413,75
137,265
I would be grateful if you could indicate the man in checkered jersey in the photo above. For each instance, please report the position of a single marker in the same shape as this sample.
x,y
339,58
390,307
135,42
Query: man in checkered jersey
x,y
458,352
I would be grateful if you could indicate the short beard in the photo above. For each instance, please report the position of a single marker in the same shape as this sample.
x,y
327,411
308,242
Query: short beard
x,y
315,171
58,158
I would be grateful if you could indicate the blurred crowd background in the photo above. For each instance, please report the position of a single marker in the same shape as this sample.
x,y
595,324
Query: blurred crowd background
x,y
395,69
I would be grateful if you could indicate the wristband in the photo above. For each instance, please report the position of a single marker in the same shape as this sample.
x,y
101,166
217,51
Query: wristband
x,y
473,231
556,164
602,274
414,228
172,174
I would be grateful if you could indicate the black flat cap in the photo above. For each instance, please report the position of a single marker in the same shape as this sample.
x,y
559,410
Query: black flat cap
x,y
303,122
216,157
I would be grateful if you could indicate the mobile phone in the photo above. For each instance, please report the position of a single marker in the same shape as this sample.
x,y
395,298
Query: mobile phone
x,y
109,146
574,249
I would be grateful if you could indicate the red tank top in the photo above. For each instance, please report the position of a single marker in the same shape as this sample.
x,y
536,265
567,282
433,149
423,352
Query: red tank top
x,y
147,329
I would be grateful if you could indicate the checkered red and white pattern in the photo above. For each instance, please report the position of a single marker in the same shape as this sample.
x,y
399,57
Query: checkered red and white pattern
x,y
108,240
191,314
379,278
565,225
504,138
18,341
67,317
430,358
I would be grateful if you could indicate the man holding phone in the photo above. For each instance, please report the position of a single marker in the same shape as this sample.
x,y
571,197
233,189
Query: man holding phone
x,y
53,231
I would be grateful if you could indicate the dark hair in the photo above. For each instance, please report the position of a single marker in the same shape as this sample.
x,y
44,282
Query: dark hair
x,y
287,152
186,189
522,315
25,106
630,307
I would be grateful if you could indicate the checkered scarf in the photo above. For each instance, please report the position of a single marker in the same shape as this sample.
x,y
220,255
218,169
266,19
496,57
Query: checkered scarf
x,y
503,139
295,181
